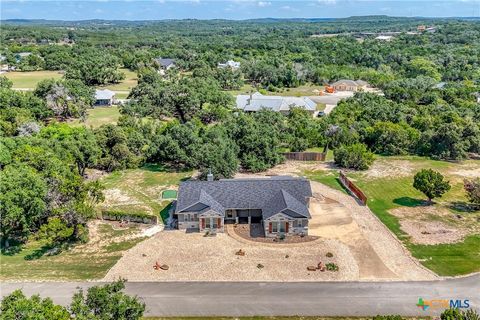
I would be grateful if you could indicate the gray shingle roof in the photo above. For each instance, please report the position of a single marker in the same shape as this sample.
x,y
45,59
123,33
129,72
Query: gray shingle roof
x,y
165,62
272,195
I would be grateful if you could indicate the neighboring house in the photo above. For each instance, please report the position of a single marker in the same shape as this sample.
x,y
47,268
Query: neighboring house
x,y
349,85
22,55
104,97
280,204
165,64
230,64
440,85
255,102
477,94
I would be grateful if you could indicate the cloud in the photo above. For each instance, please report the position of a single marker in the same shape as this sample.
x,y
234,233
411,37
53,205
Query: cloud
x,y
264,3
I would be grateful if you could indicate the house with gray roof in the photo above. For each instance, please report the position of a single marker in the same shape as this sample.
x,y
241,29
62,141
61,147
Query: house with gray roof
x,y
165,64
257,101
280,204
349,85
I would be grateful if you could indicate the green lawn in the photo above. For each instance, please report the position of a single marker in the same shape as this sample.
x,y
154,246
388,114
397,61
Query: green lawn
x,y
30,79
99,116
141,189
387,193
126,84
82,262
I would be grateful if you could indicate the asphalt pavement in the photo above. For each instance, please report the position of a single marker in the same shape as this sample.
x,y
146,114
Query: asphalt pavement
x,y
280,299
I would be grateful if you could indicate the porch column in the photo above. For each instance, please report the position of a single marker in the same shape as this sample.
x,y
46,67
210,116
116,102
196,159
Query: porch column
x,y
249,220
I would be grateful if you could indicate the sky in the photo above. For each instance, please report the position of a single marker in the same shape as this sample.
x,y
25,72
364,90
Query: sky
x,y
231,9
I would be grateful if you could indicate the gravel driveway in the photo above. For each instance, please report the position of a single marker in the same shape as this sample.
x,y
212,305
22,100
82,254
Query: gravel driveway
x,y
384,244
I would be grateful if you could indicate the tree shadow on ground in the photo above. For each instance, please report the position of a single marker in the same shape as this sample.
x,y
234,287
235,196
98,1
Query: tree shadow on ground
x,y
411,202
461,206
13,248
154,167
38,253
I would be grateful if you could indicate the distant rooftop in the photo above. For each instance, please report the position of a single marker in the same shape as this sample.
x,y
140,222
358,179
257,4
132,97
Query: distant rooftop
x,y
104,94
165,62
257,101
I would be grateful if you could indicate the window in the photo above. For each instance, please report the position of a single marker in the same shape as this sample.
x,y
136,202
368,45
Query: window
x,y
215,223
274,226
207,223
299,223
283,226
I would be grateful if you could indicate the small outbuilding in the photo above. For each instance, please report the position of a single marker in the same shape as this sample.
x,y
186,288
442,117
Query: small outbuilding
x,y
104,97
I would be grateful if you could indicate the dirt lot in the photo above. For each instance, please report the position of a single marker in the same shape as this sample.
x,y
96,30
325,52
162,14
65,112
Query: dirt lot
x,y
193,257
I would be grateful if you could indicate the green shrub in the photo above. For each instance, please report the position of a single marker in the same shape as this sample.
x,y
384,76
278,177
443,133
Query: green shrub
x,y
331,266
355,156
388,317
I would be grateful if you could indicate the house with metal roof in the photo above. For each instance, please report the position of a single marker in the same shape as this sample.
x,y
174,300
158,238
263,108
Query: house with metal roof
x,y
257,101
280,204
234,65
349,85
104,97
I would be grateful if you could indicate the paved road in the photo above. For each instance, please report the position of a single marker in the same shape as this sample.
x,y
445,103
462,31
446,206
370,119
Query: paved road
x,y
269,299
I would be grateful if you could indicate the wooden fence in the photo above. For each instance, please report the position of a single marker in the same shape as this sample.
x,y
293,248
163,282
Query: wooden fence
x,y
305,156
353,188
132,217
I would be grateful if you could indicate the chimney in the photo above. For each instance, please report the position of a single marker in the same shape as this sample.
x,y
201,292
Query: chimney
x,y
209,175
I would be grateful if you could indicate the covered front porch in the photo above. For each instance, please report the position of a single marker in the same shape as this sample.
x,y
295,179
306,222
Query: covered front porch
x,y
243,216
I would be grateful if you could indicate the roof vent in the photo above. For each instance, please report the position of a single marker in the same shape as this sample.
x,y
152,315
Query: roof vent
x,y
209,175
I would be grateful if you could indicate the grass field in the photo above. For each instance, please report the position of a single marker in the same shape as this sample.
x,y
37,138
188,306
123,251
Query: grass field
x,y
30,79
395,190
135,190
82,262
126,84
140,190
99,116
